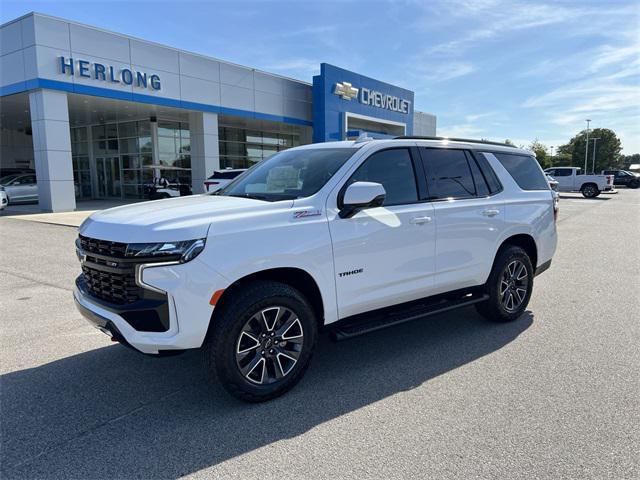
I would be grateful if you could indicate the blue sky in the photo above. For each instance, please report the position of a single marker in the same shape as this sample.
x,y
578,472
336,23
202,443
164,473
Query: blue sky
x,y
487,68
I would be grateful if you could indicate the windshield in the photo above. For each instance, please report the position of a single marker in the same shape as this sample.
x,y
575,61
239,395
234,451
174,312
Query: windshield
x,y
289,174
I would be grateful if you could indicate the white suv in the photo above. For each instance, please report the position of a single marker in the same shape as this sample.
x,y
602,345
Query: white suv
x,y
346,236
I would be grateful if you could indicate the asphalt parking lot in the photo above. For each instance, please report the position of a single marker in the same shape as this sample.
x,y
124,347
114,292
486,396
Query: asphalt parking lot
x,y
552,395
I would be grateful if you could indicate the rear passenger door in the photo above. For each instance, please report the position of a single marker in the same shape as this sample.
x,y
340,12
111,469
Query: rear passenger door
x,y
469,215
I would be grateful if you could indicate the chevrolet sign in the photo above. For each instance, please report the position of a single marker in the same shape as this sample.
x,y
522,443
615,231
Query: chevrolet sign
x,y
366,96
381,100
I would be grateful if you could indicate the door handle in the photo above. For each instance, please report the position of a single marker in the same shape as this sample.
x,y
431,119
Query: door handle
x,y
421,220
491,212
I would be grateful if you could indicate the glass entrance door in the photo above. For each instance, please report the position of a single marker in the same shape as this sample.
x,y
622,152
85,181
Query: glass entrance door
x,y
108,175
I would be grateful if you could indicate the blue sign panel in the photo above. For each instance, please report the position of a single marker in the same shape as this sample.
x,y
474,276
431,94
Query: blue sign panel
x,y
338,92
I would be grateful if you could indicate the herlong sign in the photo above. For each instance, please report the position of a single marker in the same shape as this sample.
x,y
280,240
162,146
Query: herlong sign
x,y
107,73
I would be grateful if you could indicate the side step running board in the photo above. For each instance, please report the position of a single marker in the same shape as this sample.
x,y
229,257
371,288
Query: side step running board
x,y
373,321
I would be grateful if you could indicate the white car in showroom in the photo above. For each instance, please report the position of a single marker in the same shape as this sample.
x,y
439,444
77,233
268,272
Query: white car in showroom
x,y
20,187
4,201
348,237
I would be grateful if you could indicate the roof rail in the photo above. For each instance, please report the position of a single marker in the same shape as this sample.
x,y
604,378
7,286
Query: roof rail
x,y
452,139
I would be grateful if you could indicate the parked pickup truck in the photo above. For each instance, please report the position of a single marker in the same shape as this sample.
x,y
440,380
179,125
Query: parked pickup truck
x,y
571,180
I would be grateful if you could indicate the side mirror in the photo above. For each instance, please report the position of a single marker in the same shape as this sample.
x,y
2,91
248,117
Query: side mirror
x,y
361,195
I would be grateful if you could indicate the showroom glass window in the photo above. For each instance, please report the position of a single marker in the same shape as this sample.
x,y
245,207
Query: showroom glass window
x,y
80,157
243,147
174,150
131,143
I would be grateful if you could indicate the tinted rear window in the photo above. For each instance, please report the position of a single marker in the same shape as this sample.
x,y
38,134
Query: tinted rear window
x,y
448,173
489,175
525,171
482,190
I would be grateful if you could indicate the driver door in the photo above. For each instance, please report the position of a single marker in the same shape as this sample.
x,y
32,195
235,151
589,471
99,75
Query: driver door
x,y
385,255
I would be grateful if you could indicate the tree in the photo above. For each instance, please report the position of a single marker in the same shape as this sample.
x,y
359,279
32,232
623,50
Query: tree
x,y
562,160
608,148
541,152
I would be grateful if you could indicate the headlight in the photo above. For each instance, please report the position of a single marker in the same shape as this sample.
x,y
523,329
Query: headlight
x,y
1,188
183,251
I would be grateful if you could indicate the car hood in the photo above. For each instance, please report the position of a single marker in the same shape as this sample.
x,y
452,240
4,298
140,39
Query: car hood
x,y
169,220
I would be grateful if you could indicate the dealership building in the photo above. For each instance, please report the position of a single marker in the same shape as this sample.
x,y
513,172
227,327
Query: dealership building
x,y
98,115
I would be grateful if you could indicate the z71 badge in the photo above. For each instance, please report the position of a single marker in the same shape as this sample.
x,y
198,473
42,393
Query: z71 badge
x,y
306,213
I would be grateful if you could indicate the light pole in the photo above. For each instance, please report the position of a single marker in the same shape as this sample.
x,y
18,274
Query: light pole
x,y
595,140
551,159
586,150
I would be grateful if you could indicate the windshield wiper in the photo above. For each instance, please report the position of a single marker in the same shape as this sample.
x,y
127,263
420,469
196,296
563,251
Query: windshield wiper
x,y
250,196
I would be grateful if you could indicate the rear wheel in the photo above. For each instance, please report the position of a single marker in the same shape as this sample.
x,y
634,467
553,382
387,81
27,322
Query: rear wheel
x,y
509,286
590,190
261,342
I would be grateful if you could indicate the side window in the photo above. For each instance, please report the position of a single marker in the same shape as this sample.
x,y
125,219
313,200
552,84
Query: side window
x,y
448,173
394,170
525,171
562,172
489,175
551,172
482,190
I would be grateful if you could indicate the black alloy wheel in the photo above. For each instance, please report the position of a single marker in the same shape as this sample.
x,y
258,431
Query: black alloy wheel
x,y
269,345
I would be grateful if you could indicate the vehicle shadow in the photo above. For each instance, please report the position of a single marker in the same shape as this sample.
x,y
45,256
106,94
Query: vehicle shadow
x,y
112,413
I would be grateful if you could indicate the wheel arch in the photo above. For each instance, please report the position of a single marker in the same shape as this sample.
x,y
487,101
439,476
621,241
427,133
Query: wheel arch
x,y
524,241
297,278
589,183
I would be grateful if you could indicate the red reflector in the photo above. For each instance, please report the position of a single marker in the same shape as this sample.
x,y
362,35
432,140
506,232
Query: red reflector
x,y
216,297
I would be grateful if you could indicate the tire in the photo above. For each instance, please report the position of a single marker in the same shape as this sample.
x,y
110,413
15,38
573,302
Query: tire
x,y
246,356
634,184
501,281
590,190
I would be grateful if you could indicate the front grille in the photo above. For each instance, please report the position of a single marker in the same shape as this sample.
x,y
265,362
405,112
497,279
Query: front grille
x,y
108,274
114,287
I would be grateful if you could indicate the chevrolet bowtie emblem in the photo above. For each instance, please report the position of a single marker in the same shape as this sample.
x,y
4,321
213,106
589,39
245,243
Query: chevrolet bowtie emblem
x,y
346,90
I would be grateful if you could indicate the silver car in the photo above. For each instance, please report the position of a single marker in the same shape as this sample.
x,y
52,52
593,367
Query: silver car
x,y
20,187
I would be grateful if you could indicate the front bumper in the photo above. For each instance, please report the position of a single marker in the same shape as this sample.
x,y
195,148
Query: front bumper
x,y
188,288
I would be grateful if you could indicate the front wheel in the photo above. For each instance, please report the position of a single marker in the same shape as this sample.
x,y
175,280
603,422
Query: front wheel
x,y
509,286
262,340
